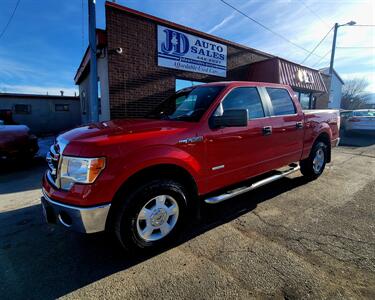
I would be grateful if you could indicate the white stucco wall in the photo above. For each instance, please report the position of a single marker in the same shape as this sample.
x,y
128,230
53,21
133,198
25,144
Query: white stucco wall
x,y
104,92
84,92
335,93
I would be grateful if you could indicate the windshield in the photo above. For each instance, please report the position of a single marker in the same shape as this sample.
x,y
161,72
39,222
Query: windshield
x,y
187,105
365,113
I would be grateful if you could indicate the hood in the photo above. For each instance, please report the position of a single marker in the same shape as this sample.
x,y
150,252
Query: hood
x,y
14,130
127,128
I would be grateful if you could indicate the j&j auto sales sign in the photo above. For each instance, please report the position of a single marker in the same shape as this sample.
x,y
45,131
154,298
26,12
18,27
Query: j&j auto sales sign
x,y
182,51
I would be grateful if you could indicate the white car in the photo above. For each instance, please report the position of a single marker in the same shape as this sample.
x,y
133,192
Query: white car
x,y
360,120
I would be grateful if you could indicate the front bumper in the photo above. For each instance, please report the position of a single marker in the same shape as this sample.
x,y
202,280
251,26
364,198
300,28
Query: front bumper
x,y
80,219
335,143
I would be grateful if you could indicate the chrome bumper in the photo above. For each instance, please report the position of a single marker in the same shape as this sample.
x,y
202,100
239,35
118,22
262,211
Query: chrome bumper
x,y
80,219
335,143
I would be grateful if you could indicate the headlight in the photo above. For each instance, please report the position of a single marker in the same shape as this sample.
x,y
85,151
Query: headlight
x,y
79,170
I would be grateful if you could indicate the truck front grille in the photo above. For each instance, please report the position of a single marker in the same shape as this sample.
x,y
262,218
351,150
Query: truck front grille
x,y
53,157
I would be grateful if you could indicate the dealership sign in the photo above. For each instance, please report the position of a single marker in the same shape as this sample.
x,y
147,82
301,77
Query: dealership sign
x,y
182,51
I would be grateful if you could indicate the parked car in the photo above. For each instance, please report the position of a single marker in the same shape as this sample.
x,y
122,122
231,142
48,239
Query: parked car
x,y
141,179
16,142
360,121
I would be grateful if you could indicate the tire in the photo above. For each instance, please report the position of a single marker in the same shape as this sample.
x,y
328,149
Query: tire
x,y
313,166
145,214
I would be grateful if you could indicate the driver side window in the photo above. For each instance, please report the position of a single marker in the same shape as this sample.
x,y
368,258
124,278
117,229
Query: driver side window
x,y
242,98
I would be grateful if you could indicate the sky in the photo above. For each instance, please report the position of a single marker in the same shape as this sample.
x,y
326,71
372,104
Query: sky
x,y
43,45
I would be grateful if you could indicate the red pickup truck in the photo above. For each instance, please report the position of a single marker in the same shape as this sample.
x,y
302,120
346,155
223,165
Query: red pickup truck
x,y
142,178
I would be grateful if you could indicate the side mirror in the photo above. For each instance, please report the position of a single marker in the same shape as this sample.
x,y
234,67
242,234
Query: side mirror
x,y
230,118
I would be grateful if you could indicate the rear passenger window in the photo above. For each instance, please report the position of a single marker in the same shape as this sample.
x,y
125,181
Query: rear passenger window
x,y
243,98
281,102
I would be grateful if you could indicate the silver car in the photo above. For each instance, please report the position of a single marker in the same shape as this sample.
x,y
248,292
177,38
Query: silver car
x,y
360,120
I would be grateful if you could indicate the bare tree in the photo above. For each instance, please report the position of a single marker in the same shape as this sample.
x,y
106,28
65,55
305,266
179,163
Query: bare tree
x,y
353,93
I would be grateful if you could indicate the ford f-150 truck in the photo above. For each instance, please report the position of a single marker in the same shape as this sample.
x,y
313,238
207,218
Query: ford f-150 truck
x,y
141,179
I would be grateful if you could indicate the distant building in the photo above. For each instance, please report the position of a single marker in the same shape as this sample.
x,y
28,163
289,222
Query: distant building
x,y
334,87
43,114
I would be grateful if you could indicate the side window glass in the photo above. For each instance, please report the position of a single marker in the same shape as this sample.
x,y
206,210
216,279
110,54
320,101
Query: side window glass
x,y
243,98
281,101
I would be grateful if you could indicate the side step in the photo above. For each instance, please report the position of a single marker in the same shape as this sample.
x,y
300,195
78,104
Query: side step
x,y
242,190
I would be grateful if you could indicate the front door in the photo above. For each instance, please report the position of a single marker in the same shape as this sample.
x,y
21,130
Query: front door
x,y
236,153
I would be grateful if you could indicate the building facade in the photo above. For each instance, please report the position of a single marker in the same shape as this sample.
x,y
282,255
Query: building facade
x,y
43,114
141,57
334,86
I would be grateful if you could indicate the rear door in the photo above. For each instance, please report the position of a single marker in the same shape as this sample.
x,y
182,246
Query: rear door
x,y
285,127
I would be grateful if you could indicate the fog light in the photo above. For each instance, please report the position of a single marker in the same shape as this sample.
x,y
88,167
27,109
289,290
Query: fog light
x,y
65,219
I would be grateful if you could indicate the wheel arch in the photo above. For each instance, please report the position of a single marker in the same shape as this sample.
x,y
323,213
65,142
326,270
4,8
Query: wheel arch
x,y
325,138
164,170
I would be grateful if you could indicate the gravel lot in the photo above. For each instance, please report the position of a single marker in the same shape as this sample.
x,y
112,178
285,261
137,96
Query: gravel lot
x,y
290,239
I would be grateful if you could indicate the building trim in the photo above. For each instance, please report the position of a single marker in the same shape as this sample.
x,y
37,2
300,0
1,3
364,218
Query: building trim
x,y
334,71
36,96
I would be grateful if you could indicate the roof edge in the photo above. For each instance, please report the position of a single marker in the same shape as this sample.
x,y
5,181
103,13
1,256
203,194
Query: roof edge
x,y
183,28
19,95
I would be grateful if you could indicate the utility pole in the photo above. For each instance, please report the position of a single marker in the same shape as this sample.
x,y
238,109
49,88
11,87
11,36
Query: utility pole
x,y
93,78
333,48
351,23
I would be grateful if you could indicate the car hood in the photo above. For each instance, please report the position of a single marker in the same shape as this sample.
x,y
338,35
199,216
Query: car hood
x,y
121,129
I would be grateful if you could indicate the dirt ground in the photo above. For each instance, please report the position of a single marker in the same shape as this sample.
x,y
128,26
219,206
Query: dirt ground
x,y
290,239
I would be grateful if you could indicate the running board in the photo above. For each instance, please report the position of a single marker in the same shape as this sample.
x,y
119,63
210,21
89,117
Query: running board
x,y
242,190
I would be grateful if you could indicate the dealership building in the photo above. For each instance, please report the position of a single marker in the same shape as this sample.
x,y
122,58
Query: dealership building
x,y
142,59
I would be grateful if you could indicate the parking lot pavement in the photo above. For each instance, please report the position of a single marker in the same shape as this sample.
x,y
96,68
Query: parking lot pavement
x,y
290,239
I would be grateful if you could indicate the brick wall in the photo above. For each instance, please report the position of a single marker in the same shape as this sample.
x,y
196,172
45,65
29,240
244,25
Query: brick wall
x,y
136,83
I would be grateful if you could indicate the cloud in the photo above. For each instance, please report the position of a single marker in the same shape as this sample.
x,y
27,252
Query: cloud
x,y
35,89
222,23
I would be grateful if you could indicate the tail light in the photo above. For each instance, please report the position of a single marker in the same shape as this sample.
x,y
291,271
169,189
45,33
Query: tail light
x,y
352,119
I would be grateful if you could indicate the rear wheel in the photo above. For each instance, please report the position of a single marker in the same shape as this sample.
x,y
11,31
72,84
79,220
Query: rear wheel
x,y
314,165
150,216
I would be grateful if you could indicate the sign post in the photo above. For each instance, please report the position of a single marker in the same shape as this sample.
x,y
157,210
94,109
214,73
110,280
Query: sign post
x,y
93,78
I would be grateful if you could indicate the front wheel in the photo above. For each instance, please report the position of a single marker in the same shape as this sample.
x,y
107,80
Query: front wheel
x,y
313,166
151,216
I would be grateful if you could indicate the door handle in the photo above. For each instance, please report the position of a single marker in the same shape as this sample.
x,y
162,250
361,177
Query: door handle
x,y
267,130
299,125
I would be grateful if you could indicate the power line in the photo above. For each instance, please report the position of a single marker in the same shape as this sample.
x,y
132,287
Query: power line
x,y
321,41
314,13
267,28
323,57
10,19
359,47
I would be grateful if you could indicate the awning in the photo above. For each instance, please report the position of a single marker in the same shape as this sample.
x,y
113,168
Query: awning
x,y
278,70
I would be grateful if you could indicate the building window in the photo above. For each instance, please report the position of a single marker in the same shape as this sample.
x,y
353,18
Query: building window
x,y
61,107
22,109
304,99
83,102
